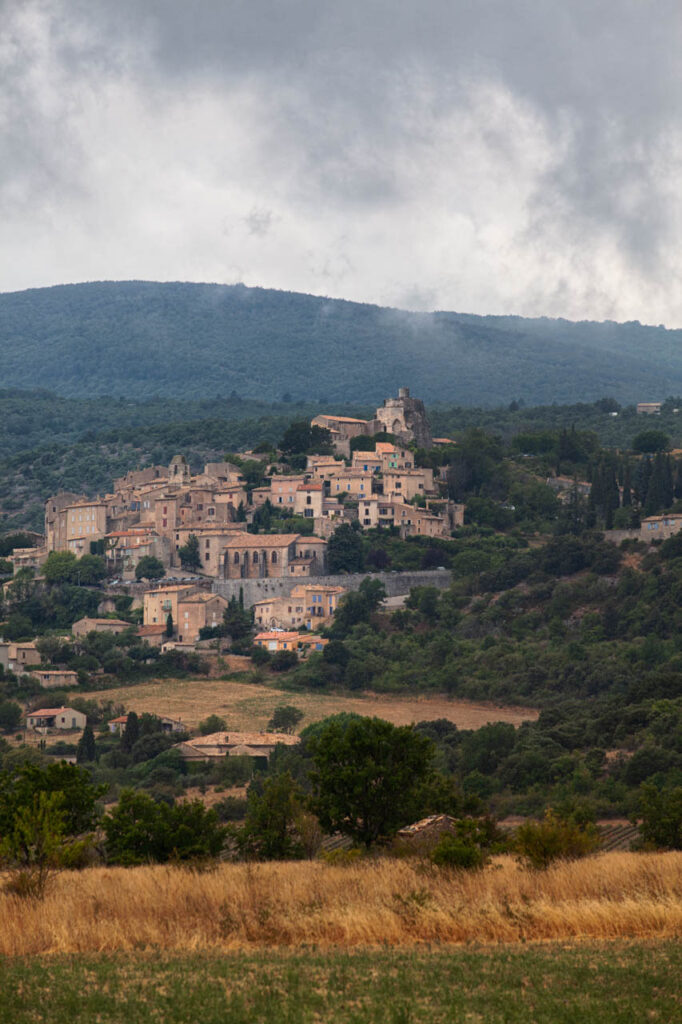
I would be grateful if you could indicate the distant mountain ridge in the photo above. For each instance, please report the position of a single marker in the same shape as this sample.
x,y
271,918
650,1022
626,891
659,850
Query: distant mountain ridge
x,y
139,339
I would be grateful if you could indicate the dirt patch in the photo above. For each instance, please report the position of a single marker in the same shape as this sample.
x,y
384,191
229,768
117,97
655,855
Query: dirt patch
x,y
246,707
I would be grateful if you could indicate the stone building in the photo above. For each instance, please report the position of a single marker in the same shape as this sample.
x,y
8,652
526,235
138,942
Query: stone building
x,y
257,556
405,417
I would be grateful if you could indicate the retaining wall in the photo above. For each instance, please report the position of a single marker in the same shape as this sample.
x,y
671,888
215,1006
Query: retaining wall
x,y
395,583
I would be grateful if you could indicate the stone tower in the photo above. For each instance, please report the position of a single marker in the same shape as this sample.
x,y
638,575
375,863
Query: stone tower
x,y
179,472
406,418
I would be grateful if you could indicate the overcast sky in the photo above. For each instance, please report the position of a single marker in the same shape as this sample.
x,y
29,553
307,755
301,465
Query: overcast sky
x,y
488,156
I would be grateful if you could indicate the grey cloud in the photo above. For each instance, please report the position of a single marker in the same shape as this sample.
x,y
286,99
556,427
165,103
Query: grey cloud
x,y
375,118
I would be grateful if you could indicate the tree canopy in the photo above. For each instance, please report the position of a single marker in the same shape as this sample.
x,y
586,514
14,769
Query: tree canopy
x,y
367,776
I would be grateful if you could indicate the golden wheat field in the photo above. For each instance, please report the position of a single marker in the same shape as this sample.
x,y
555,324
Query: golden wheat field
x,y
368,903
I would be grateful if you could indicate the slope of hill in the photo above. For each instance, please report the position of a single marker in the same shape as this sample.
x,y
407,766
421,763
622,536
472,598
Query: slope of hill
x,y
141,339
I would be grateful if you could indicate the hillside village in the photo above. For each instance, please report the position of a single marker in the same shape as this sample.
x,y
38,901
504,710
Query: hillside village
x,y
209,524
340,562
154,511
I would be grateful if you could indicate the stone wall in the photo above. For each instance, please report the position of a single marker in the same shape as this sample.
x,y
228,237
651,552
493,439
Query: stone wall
x,y
395,583
616,536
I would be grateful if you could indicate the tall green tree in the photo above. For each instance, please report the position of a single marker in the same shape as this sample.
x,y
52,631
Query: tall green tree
x,y
131,733
345,550
190,556
149,568
86,750
367,776
273,814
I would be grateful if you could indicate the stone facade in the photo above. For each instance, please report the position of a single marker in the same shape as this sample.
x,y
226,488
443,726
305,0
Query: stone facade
x,y
396,583
405,417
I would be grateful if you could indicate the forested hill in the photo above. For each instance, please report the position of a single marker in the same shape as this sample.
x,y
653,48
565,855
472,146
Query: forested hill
x,y
141,339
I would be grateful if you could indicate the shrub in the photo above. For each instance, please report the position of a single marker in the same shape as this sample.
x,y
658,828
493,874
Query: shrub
x,y
540,843
282,661
457,852
140,831
214,723
661,811
285,718
260,655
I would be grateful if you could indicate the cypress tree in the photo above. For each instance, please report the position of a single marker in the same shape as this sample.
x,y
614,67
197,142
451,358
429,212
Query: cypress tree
x,y
87,748
668,486
677,490
611,493
169,625
627,486
656,491
642,477
131,733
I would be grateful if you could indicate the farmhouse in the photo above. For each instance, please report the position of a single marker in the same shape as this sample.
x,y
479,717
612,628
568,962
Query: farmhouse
x,y
218,745
86,625
56,718
55,679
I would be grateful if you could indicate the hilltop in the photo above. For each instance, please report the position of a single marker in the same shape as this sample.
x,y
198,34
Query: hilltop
x,y
140,339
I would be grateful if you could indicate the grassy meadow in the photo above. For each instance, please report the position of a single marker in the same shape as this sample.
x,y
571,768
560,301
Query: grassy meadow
x,y
557,984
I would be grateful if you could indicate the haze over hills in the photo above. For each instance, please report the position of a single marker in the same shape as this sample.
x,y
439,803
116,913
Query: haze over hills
x,y
140,339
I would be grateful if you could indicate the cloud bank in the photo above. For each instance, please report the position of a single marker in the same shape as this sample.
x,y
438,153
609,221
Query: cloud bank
x,y
491,156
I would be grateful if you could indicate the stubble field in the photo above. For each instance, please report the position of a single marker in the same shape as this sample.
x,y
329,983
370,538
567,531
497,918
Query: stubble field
x,y
247,707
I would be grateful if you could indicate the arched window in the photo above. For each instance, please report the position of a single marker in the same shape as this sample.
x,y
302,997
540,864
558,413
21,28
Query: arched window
x,y
236,558
254,557
273,557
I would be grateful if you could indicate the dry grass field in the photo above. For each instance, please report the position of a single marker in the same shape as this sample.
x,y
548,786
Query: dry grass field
x,y
365,904
248,706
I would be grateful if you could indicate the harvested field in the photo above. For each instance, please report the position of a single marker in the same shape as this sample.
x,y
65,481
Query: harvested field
x,y
366,903
248,706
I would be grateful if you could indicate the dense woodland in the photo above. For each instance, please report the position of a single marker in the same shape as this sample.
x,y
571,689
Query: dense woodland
x,y
141,339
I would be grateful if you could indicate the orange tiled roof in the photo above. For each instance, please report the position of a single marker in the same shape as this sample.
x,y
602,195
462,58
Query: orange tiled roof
x,y
277,636
249,739
47,712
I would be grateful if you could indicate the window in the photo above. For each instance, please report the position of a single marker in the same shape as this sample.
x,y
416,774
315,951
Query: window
x,y
208,543
207,557
254,557
273,557
236,558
